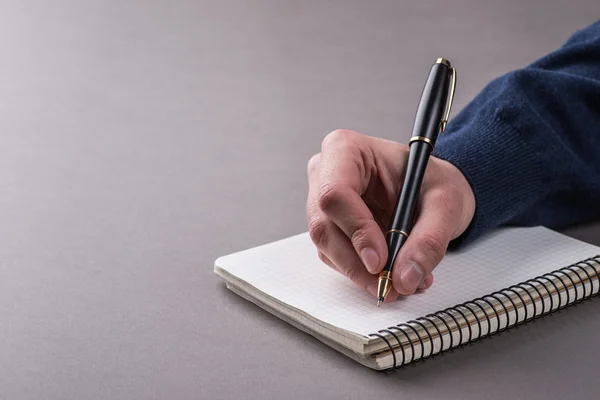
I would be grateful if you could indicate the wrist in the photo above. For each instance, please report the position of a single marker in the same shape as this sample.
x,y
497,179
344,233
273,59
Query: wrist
x,y
503,170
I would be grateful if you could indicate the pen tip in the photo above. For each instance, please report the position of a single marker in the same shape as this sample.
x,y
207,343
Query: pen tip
x,y
379,301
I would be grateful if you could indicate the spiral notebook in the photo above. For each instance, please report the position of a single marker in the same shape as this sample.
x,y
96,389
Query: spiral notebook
x,y
507,278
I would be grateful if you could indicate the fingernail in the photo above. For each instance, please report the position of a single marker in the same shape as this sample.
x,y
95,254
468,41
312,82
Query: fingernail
x,y
411,277
370,259
423,286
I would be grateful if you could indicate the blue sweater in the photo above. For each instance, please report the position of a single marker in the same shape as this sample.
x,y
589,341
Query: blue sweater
x,y
529,143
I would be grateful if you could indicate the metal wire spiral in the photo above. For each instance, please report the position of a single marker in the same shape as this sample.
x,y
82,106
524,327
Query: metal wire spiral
x,y
428,331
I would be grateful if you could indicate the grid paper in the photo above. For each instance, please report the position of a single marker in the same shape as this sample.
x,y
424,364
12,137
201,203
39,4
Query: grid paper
x,y
290,271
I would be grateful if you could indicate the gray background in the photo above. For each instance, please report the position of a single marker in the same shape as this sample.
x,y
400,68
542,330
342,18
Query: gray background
x,y
141,140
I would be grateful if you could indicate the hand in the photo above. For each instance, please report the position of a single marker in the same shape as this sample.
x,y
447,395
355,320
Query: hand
x,y
353,186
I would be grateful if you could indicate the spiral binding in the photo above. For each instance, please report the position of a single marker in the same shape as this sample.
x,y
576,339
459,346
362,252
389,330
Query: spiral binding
x,y
434,334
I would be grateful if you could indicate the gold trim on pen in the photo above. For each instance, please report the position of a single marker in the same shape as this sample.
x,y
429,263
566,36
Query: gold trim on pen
x,y
385,275
444,121
384,286
397,231
421,139
442,61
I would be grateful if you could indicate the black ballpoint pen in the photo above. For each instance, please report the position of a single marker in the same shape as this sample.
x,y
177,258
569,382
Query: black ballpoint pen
x,y
431,118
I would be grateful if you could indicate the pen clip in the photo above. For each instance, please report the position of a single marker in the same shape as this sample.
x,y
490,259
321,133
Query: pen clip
x,y
450,100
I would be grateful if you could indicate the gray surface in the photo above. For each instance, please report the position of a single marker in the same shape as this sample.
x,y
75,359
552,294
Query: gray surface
x,y
141,140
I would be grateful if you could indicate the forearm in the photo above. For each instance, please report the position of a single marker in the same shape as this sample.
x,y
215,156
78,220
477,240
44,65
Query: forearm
x,y
529,143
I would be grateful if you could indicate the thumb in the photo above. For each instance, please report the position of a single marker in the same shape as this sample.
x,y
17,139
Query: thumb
x,y
438,220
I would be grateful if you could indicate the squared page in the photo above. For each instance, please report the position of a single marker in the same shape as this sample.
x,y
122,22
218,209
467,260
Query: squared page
x,y
290,271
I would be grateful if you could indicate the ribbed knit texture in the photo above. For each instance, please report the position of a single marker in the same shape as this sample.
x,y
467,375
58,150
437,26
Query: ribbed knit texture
x,y
529,143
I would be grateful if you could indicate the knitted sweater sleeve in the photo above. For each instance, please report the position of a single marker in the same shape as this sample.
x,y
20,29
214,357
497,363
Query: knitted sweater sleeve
x,y
529,142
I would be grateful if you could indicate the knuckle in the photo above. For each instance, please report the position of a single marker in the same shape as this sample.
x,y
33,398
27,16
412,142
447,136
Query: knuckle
x,y
325,260
313,163
317,229
359,236
351,273
430,250
339,136
328,197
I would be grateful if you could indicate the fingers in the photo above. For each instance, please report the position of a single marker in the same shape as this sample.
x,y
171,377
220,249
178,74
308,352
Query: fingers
x,y
427,243
336,249
334,246
325,260
354,172
343,176
426,284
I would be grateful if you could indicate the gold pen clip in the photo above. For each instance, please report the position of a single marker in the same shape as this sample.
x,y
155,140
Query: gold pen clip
x,y
444,121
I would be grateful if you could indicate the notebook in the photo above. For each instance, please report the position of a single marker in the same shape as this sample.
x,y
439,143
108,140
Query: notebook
x,y
506,278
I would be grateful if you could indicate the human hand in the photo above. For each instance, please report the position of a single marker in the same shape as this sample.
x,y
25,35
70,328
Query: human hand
x,y
353,187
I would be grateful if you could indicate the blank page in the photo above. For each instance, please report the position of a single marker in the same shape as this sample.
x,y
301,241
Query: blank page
x,y
290,271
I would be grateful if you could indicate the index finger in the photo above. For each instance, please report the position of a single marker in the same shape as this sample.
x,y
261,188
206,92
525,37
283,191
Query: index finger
x,y
346,168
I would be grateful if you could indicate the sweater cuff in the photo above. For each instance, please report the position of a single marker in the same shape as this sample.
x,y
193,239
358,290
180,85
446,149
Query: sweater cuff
x,y
504,171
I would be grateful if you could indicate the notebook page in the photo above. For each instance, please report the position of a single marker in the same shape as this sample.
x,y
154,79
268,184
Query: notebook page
x,y
290,271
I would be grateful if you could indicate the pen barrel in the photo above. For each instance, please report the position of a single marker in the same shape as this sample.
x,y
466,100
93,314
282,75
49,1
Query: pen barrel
x,y
405,207
428,123
395,241
427,126
432,105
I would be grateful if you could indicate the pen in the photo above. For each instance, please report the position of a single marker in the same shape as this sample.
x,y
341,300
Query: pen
x,y
431,118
